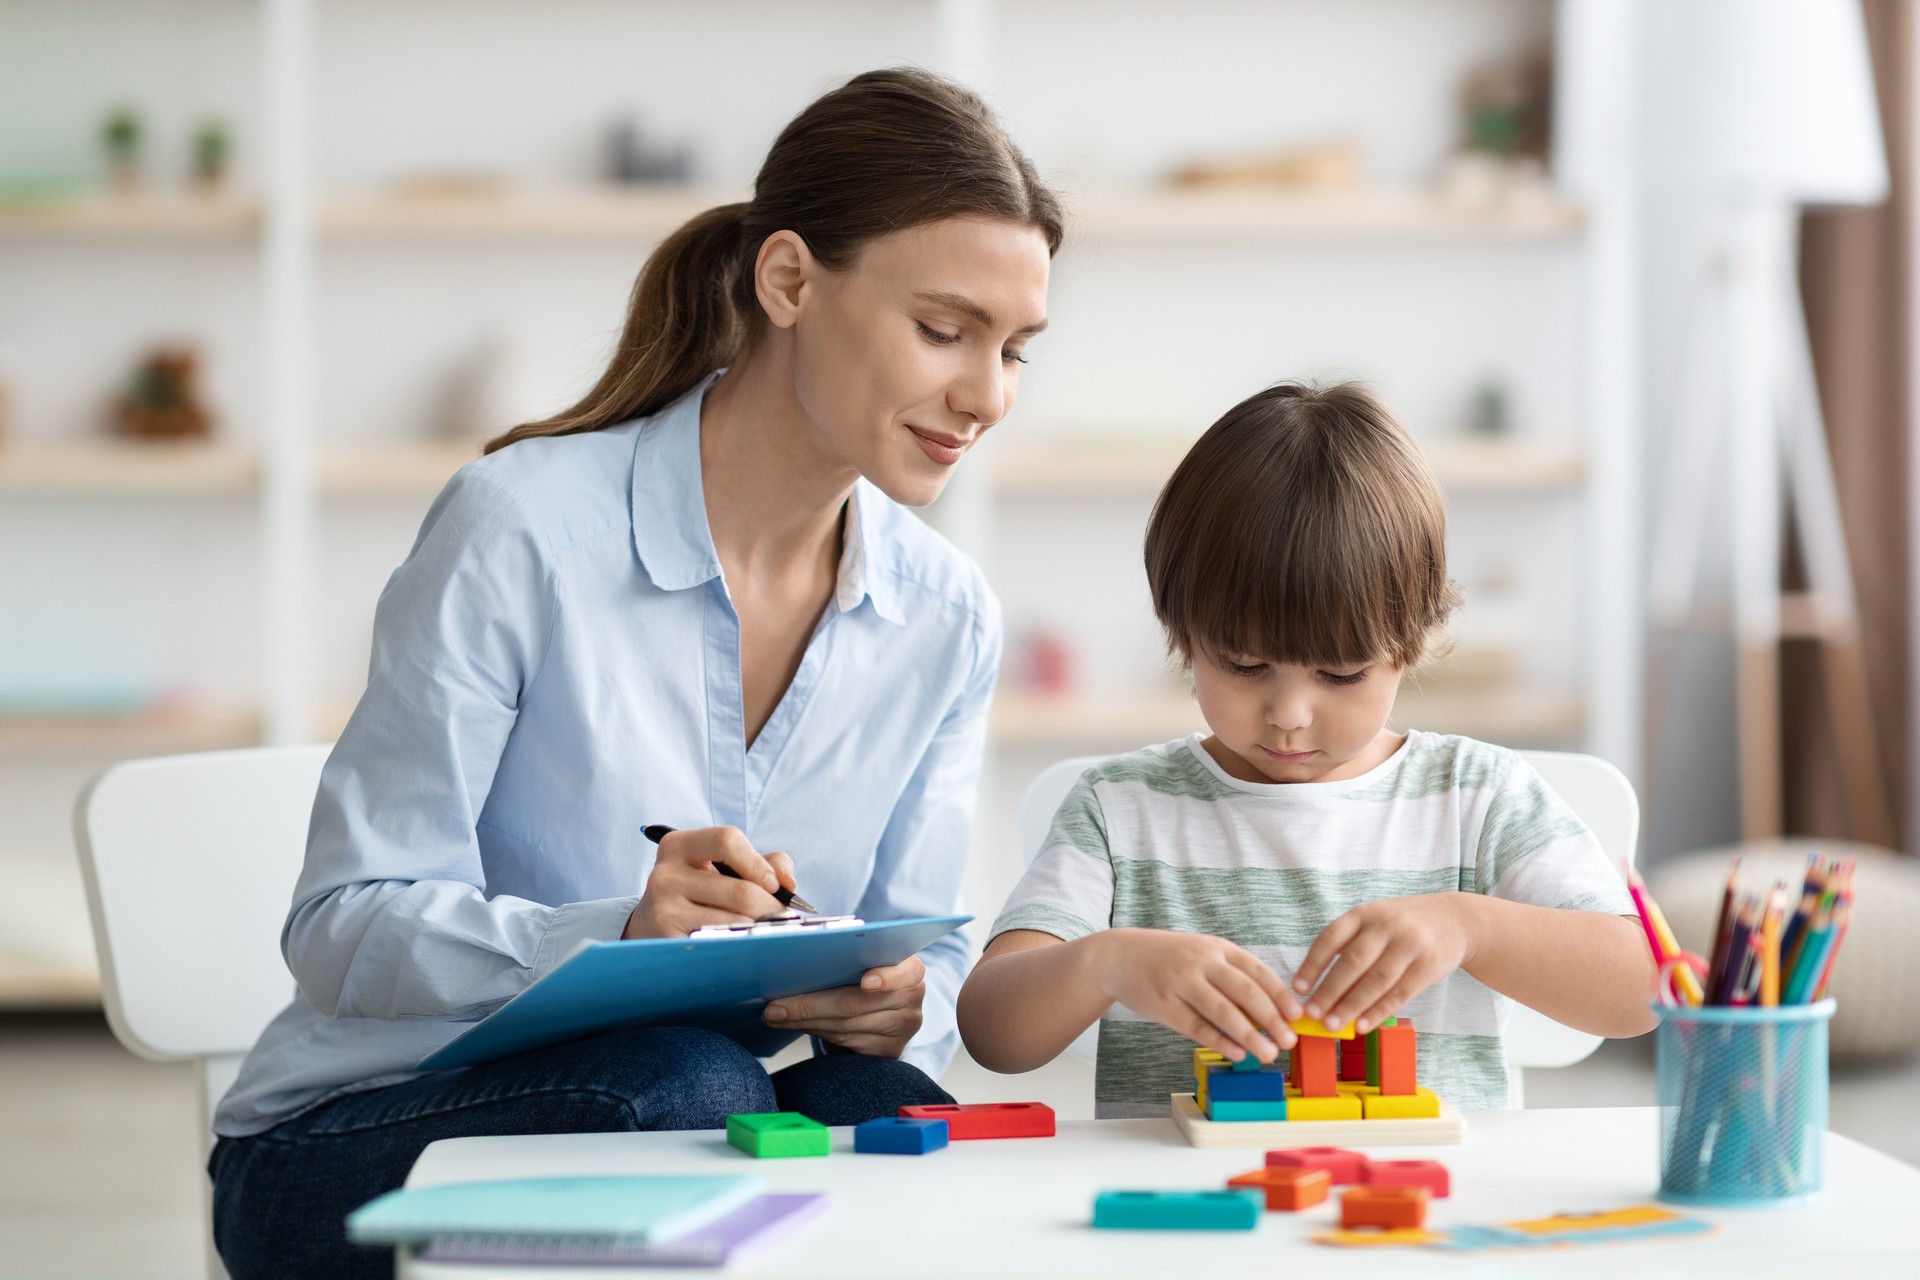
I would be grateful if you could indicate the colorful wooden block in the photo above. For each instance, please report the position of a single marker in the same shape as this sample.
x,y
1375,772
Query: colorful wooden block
x,y
1287,1188
1403,1207
1344,1167
1314,1067
1372,1042
1235,1209
1353,1060
1247,1062
898,1136
1341,1106
1305,1027
1395,1051
773,1134
1422,1104
1225,1109
1430,1174
1246,1086
988,1119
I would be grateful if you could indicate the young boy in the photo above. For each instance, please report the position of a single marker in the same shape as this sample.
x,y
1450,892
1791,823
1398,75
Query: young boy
x,y
1304,859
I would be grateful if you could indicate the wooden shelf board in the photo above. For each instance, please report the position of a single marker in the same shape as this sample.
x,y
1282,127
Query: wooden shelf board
x,y
638,213
1464,464
1509,716
1404,214
390,470
146,216
146,733
25,985
110,467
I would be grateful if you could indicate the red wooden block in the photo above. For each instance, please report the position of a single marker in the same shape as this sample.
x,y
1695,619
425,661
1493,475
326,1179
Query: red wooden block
x,y
1353,1059
1313,1067
1430,1174
1397,1074
1343,1166
988,1119
1289,1189
1384,1207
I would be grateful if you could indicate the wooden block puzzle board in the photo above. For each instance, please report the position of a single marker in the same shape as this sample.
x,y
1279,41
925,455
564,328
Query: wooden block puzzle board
x,y
1199,1131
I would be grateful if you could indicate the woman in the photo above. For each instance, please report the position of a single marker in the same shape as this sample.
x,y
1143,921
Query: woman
x,y
694,598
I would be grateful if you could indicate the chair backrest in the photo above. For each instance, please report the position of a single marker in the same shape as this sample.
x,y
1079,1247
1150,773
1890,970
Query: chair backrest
x,y
190,863
1594,789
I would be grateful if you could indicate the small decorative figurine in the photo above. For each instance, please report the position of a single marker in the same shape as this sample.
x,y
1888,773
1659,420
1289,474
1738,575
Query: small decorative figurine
x,y
163,401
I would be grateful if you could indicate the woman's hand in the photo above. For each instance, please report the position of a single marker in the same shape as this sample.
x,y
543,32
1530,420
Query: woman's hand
x,y
1206,988
684,891
877,1017
1389,952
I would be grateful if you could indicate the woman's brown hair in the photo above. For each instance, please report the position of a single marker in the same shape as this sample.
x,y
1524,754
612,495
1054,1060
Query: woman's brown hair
x,y
1303,527
889,150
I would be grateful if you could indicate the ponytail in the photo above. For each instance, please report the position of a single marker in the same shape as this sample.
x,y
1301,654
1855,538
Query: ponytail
x,y
886,151
681,326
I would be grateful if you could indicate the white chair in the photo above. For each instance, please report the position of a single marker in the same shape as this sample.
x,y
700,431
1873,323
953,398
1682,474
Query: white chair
x,y
1592,788
190,863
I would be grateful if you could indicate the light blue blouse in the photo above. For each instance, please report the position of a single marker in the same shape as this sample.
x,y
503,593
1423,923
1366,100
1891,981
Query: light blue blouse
x,y
557,664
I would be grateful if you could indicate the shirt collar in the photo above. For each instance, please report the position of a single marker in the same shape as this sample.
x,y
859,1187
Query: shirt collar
x,y
669,511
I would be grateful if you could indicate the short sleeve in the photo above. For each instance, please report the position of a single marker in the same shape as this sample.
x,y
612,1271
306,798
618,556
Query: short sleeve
x,y
1068,889
1534,849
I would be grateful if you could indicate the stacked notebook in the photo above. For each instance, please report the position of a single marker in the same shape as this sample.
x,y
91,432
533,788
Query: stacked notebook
x,y
632,1221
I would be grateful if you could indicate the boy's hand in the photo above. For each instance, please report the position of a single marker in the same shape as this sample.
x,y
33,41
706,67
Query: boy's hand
x,y
1389,952
1206,988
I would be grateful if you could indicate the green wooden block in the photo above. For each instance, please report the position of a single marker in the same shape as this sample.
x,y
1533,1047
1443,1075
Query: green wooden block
x,y
1224,1109
1373,1054
777,1133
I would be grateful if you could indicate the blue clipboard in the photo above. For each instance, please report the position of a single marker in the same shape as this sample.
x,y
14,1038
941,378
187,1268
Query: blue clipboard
x,y
720,984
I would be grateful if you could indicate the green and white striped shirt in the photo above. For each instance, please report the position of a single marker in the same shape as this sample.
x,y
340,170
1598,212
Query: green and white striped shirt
x,y
1163,838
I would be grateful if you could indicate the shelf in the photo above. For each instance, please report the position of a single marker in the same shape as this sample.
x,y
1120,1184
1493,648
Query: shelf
x,y
1079,723
636,213
133,217
164,731
114,468
1411,214
45,986
1463,464
407,470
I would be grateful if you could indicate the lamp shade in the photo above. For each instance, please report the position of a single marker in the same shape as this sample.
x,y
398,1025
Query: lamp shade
x,y
1764,101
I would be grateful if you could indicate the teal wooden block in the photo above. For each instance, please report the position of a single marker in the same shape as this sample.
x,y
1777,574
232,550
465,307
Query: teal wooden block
x,y
1225,1110
1248,1063
1236,1209
774,1134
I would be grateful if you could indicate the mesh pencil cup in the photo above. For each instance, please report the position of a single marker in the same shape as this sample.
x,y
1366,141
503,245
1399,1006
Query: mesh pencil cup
x,y
1743,1103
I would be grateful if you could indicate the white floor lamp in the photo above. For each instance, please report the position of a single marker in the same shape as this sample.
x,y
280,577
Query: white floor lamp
x,y
1772,110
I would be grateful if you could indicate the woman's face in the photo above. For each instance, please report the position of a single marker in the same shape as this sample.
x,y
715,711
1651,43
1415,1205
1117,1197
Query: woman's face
x,y
904,360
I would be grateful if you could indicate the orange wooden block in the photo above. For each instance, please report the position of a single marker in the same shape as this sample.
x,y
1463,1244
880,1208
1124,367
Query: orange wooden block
x,y
1313,1067
1288,1188
1384,1207
1397,1072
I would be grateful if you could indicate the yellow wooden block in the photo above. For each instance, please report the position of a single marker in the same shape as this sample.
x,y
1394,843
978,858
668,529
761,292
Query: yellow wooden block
x,y
1343,1106
1355,1089
1204,1059
1315,1027
1423,1105
1372,1237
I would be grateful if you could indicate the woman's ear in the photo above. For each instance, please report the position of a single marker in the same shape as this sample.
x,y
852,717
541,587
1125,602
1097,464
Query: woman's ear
x,y
782,271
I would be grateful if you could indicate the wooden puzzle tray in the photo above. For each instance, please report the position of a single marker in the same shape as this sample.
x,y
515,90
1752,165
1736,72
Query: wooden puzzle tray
x,y
1199,1131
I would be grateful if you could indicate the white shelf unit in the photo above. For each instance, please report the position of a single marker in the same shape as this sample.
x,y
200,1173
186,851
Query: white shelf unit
x,y
279,479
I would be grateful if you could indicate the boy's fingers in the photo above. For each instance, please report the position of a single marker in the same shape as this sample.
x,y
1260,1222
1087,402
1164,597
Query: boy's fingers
x,y
1359,956
1227,1016
1368,989
1284,1001
1255,1002
1332,940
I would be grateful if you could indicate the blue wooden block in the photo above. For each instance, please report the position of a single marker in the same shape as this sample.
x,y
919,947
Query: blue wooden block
x,y
1236,1209
900,1136
1228,1111
1269,1085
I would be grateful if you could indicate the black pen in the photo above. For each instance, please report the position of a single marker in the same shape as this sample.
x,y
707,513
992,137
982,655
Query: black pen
x,y
785,897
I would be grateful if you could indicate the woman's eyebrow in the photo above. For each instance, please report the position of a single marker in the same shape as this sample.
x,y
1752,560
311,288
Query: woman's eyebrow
x,y
968,307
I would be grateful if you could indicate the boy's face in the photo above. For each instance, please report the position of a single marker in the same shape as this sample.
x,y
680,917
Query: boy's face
x,y
1282,722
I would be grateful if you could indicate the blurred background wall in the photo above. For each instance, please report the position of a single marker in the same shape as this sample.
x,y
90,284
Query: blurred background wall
x,y
332,245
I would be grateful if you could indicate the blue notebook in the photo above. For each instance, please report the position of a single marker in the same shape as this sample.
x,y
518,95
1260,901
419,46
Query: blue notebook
x,y
720,984
624,1210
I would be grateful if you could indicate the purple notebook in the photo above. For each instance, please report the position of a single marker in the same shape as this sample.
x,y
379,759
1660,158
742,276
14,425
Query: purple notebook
x,y
716,1244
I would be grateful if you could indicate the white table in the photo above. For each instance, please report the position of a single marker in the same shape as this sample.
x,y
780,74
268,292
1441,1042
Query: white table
x,y
1021,1207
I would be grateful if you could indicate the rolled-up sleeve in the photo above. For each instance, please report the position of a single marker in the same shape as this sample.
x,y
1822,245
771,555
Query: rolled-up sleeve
x,y
391,917
921,862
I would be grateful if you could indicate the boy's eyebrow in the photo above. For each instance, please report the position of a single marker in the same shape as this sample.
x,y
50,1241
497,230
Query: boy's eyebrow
x,y
968,307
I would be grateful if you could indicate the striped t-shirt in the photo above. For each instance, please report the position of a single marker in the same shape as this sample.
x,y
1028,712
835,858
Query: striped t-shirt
x,y
1164,838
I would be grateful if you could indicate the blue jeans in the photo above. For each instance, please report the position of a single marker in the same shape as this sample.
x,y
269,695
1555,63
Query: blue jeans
x,y
280,1198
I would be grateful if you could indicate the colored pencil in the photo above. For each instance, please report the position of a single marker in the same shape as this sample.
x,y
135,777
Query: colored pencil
x,y
1811,887
1722,935
1737,950
1842,916
1770,946
1666,945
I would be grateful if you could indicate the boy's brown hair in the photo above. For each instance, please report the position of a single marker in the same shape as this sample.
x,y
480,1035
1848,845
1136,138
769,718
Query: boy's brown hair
x,y
1303,527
